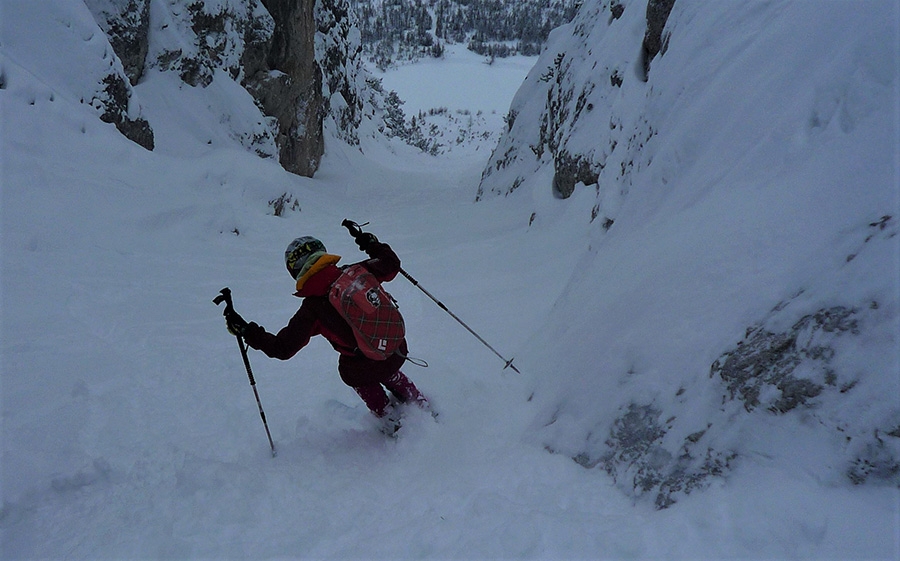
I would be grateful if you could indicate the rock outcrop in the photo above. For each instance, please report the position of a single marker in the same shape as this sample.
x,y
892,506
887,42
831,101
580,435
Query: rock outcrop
x,y
291,89
127,25
299,59
267,47
113,102
575,86
643,112
654,41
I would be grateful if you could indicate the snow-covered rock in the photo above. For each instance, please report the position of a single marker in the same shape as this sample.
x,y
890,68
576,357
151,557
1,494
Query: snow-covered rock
x,y
126,24
355,104
89,62
769,334
240,41
300,62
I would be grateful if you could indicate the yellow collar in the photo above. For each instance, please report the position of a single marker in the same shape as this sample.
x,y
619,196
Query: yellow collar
x,y
320,264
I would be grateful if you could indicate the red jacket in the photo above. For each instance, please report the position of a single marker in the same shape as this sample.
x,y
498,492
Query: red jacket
x,y
317,316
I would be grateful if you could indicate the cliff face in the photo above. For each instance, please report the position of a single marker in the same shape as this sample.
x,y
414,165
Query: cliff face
x,y
268,48
291,88
127,26
299,60
577,103
111,92
735,163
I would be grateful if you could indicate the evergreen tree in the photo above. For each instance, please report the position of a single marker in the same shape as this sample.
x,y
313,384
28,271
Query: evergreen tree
x,y
439,25
402,29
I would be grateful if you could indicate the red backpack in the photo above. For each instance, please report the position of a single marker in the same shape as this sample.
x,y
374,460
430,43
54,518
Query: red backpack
x,y
369,309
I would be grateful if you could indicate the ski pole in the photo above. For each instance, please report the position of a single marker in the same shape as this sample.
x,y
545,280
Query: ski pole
x,y
441,305
225,296
355,231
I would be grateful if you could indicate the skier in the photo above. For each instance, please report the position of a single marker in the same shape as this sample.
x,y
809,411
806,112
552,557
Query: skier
x,y
314,271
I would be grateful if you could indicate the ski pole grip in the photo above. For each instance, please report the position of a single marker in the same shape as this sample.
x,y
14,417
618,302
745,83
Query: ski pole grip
x,y
224,296
352,227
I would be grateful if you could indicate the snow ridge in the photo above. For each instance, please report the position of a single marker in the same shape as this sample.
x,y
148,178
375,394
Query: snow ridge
x,y
696,169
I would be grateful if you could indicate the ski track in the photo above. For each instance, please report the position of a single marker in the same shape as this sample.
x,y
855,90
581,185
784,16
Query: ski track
x,y
165,454
128,410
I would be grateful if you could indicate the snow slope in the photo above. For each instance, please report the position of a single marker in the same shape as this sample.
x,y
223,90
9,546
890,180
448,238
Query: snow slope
x,y
462,106
459,80
128,429
737,300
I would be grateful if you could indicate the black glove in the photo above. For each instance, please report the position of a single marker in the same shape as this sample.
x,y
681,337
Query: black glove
x,y
235,323
366,240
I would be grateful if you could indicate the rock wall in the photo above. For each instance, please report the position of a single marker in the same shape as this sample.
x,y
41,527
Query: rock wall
x,y
292,90
299,59
670,127
127,25
577,85
268,47
88,69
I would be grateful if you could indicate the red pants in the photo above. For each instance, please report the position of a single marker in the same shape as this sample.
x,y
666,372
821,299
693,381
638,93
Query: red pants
x,y
399,385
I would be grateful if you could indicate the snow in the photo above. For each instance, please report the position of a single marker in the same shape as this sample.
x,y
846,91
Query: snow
x,y
129,429
459,80
462,104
